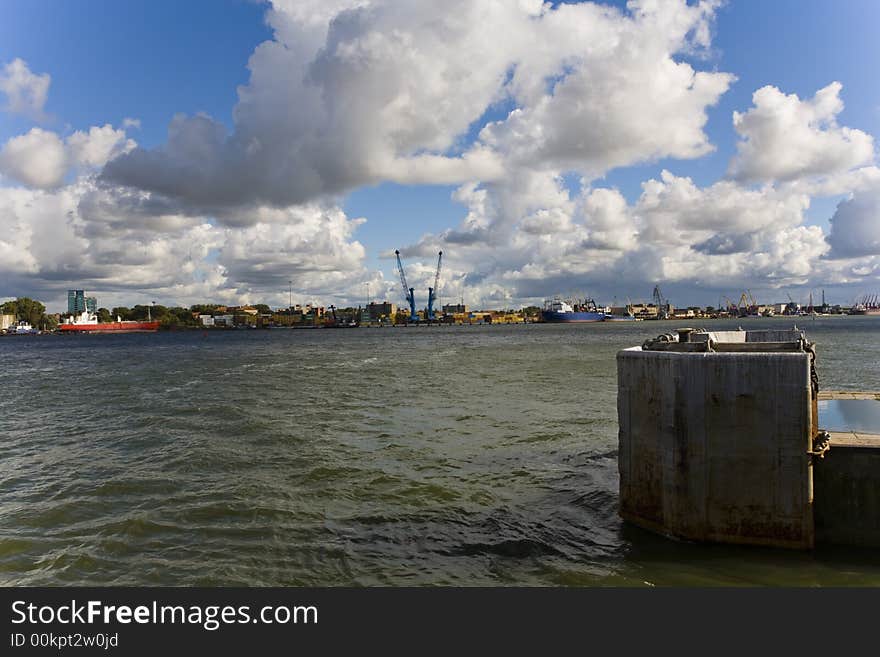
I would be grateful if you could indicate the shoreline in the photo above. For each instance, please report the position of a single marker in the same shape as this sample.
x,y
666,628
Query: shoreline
x,y
213,329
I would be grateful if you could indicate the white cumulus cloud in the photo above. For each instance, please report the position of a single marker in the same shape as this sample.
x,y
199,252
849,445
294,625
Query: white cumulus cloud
x,y
855,226
41,159
25,91
37,158
784,138
536,239
126,246
98,146
356,93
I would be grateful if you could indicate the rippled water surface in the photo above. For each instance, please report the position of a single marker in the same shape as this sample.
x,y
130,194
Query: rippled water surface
x,y
457,455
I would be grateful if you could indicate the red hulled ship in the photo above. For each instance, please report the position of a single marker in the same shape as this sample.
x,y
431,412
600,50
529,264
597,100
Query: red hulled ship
x,y
87,322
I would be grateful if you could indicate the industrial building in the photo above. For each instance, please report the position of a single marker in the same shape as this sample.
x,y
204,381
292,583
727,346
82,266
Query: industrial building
x,y
379,312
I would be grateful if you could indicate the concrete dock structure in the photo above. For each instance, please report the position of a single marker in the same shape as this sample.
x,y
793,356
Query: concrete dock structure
x,y
720,440
847,480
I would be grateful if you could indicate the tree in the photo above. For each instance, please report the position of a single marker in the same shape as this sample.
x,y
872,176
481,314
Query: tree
x,y
122,312
204,308
32,312
263,308
26,309
182,316
140,312
104,316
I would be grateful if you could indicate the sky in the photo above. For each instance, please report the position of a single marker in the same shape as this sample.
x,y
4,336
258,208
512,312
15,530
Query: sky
x,y
234,151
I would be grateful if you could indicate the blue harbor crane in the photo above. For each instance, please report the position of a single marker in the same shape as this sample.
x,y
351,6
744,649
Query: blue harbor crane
x,y
407,290
434,292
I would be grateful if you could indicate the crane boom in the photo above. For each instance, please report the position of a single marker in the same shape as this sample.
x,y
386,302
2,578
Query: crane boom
x,y
408,292
437,276
434,292
402,275
662,304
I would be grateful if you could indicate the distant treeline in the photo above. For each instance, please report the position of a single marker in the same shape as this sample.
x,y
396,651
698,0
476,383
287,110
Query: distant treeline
x,y
169,318
175,317
30,311
34,313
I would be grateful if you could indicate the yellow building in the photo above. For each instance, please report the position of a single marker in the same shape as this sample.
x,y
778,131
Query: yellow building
x,y
380,312
507,318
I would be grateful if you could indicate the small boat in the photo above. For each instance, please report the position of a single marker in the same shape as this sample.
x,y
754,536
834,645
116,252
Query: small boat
x,y
21,328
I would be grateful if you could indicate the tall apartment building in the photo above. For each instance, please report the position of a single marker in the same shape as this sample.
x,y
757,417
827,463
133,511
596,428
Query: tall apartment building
x,y
76,301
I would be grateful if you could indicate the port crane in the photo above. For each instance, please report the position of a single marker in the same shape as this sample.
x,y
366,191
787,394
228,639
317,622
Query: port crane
x,y
662,304
748,305
754,308
434,292
407,290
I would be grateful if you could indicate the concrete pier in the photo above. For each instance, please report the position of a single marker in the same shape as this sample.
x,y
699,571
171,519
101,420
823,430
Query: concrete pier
x,y
720,439
847,481
715,435
847,491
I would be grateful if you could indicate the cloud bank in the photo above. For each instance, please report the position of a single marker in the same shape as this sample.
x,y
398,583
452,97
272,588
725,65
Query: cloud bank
x,y
523,106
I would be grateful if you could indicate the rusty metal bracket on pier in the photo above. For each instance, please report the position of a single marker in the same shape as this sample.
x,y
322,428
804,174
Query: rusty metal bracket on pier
x,y
821,444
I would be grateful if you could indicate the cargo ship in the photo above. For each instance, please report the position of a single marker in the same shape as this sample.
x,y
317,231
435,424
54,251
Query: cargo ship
x,y
558,311
868,305
87,322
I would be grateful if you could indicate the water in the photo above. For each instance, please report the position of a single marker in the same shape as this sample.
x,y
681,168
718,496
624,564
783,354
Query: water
x,y
862,415
409,456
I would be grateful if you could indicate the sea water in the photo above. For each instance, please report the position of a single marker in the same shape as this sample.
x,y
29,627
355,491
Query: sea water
x,y
468,455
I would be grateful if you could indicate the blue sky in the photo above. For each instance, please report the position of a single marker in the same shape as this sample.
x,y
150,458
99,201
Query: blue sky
x,y
143,59
111,60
